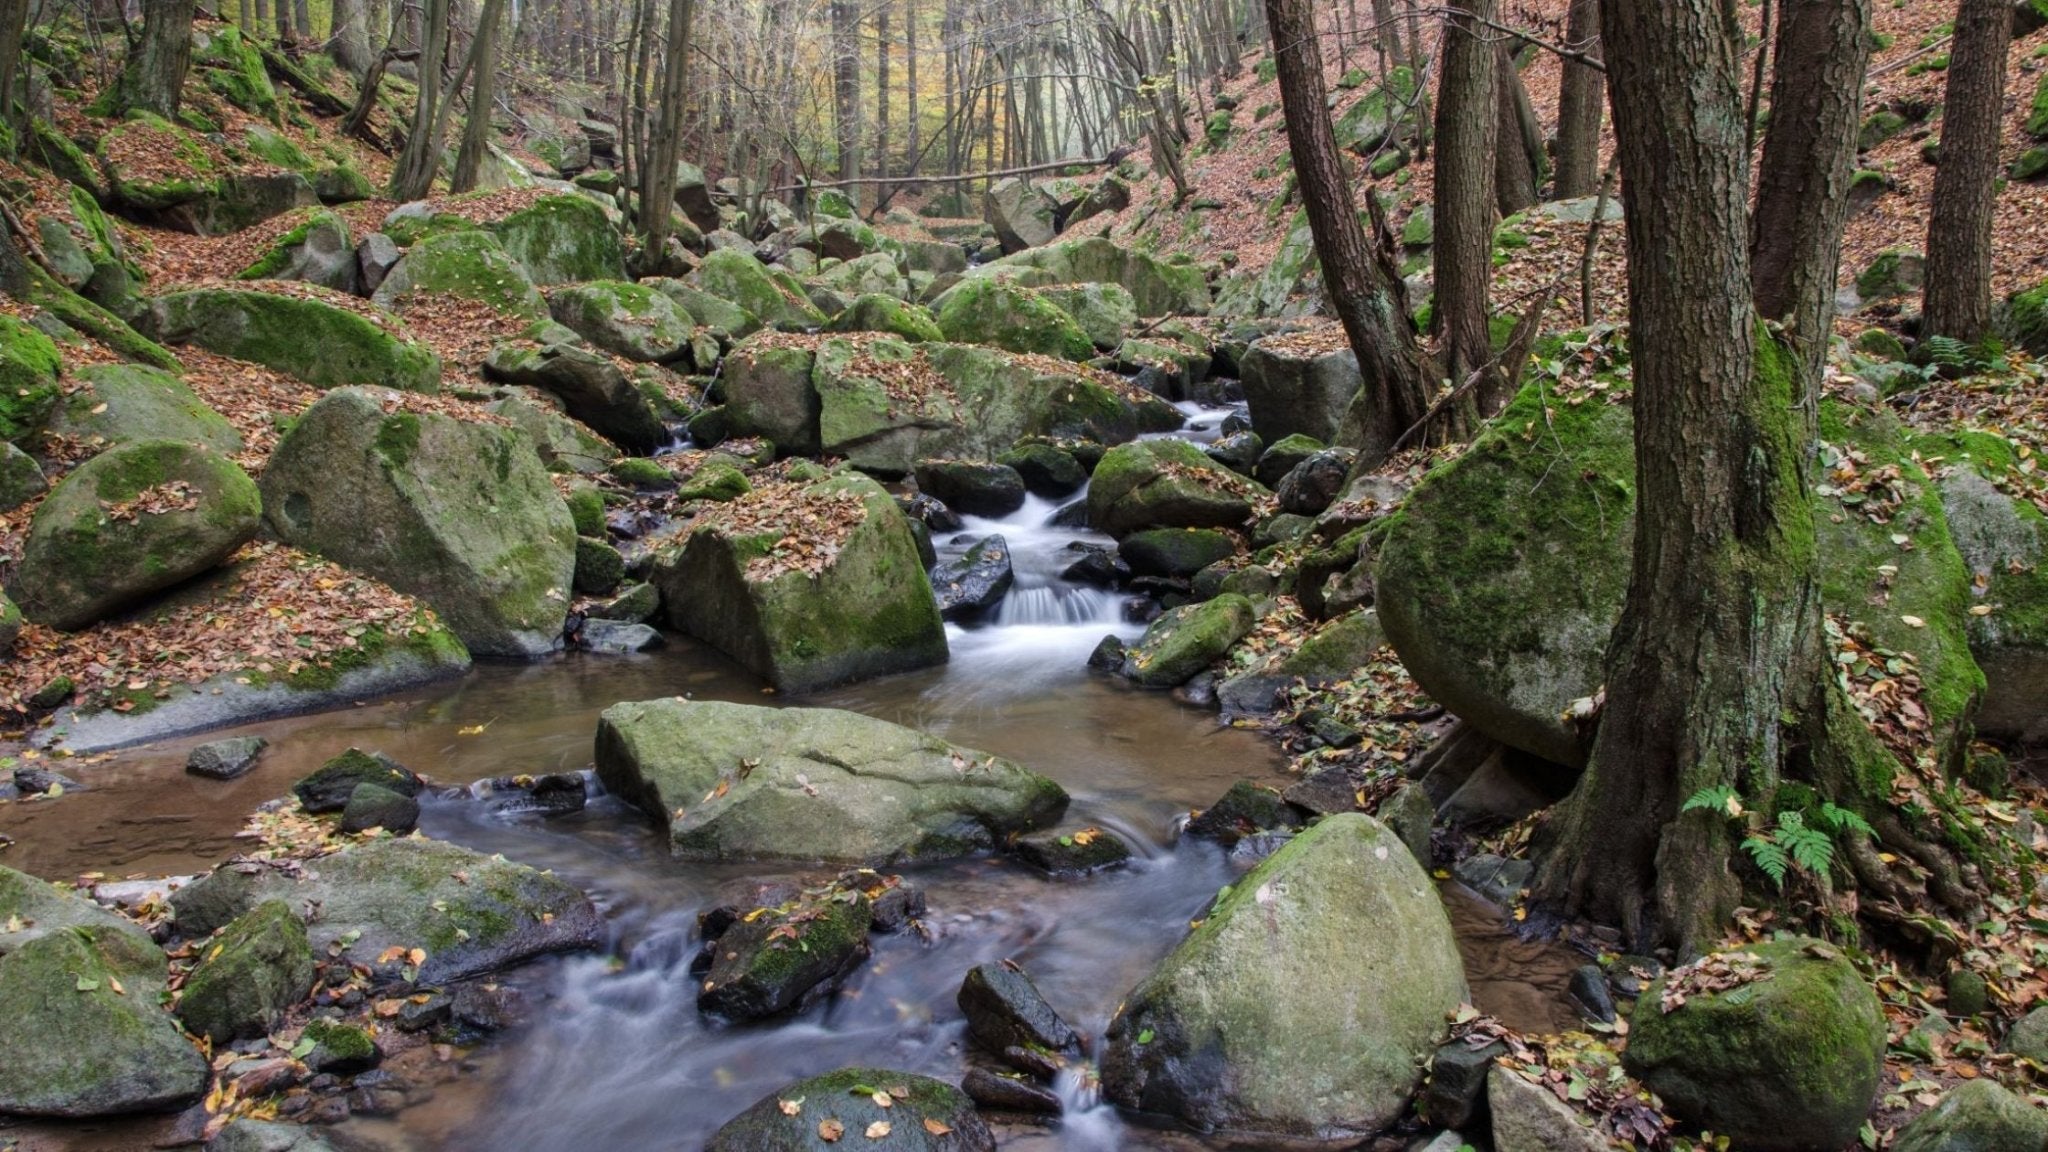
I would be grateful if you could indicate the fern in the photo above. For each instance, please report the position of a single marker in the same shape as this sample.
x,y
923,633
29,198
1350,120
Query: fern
x,y
1810,848
1949,352
1769,857
1723,799
1841,821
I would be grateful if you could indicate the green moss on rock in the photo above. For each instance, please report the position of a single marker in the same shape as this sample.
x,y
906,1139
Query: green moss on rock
x,y
29,364
563,239
322,344
468,263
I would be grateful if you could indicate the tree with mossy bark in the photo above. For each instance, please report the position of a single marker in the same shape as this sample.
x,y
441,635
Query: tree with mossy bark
x,y
1717,672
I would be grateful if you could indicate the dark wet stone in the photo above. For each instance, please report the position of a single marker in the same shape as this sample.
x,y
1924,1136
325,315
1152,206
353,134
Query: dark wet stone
x,y
487,1007
736,898
338,1049
1096,565
976,582
1245,809
1004,1010
1456,1094
1176,553
973,489
931,512
430,1013
1630,976
1238,451
375,806
1313,485
1968,994
616,638
925,1116
1324,793
1108,655
1588,990
1033,1062
329,789
1075,853
41,781
1009,1093
1073,515
787,959
897,907
1494,878
225,759
1047,471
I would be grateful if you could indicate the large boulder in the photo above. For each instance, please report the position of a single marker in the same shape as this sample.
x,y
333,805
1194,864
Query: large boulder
x,y
89,1036
563,239
1002,313
1305,1003
29,365
471,913
1501,577
1157,287
1779,1046
2023,319
738,782
1185,640
318,251
1021,215
468,263
783,956
922,1115
715,314
325,345
250,977
873,274
590,387
1334,652
131,521
1300,384
31,908
1976,1116
564,444
1166,484
152,165
743,281
118,403
461,515
808,585
875,312
1105,312
626,319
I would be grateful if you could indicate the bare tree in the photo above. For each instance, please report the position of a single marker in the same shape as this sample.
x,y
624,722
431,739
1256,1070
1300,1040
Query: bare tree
x,y
658,172
1467,129
1581,98
476,132
1957,300
154,76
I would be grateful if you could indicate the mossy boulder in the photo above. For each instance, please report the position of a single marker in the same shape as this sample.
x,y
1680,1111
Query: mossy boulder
x,y
627,319
738,782
323,344
342,184
1176,553
1975,1116
1048,471
1166,484
780,959
461,515
564,444
590,387
1021,215
153,165
717,480
599,567
83,1047
375,806
319,251
31,908
873,274
929,1116
1501,577
1157,287
329,788
1298,387
874,312
470,912
858,605
1336,651
1371,119
563,239
716,314
1105,312
1305,1003
119,403
1892,273
1185,640
29,364
1784,1063
972,488
2023,319
130,522
471,264
744,282
233,69
1003,314
248,978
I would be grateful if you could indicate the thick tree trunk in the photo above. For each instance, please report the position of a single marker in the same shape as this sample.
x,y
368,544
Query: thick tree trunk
x,y
1803,187
1517,168
1581,98
350,46
413,177
1957,301
1466,133
1721,606
155,73
658,167
13,25
1363,288
882,90
476,131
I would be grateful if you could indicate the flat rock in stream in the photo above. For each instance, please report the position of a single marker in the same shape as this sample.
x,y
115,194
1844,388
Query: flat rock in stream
x,y
39,908
785,957
470,912
737,782
840,1108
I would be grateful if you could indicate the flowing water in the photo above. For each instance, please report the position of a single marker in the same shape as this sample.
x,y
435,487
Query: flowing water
x,y
616,1055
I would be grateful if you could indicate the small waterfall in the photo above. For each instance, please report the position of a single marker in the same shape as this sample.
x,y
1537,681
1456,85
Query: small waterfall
x,y
1058,604
1086,1123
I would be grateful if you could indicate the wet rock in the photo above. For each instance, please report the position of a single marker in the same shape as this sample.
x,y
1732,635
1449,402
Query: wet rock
x,y
896,906
925,1116
1238,452
611,637
95,1051
1010,1092
1096,565
375,806
329,789
591,387
259,1078
1046,471
736,898
1334,652
1326,793
823,784
1245,809
973,489
338,1048
483,1007
1074,515
1283,457
34,781
1495,878
932,513
422,1015
1004,1009
31,908
1630,976
1177,553
268,1136
1233,1030
1313,485
1187,640
248,978
1166,484
1780,1064
1108,656
1456,1094
1411,815
226,759
1528,1118
1975,1116
787,959
471,913
599,567
1588,990
976,582
636,605
555,794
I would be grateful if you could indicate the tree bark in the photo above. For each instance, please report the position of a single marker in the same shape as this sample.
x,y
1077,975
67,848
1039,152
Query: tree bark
x,y
413,176
350,45
1957,301
1363,287
1581,98
1722,603
1803,188
13,26
476,131
1466,135
658,167
846,84
154,76
1517,170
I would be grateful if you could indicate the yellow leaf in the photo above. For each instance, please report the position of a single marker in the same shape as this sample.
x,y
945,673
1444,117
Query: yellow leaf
x,y
116,986
830,1131
1980,609
418,956
472,730
790,1107
883,1100
935,1128
1913,621
878,1129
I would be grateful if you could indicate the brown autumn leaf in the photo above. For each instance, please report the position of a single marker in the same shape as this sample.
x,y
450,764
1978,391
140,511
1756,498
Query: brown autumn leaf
x,y
936,1128
878,1129
830,1130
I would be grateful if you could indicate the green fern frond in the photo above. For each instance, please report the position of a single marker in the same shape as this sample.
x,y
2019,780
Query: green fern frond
x,y
1723,799
1769,857
1843,820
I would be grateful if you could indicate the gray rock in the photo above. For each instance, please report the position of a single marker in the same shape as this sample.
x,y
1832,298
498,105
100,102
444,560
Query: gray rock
x,y
1456,1094
1010,1092
795,954
1976,1116
972,489
1297,388
331,787
1246,809
40,908
2029,1037
1495,878
21,478
929,1116
247,979
376,256
1021,215
267,1136
1004,1009
1527,1118
1315,483
226,759
976,581
375,806
590,386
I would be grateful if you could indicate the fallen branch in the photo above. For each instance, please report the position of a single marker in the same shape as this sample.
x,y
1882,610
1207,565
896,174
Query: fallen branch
x,y
280,67
1048,166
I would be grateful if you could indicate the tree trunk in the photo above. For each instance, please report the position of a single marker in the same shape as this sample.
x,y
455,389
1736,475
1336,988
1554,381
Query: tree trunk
x,y
1516,171
1957,302
476,131
658,167
1803,188
350,46
911,110
413,177
846,84
155,73
1581,98
1466,134
13,26
1363,288
1722,608
304,12
882,92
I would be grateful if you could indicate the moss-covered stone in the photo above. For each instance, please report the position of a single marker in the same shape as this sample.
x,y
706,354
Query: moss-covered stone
x,y
248,978
2037,112
1177,553
329,788
1158,288
873,274
563,239
745,283
1370,120
779,961
29,364
469,263
1334,652
564,445
875,312
627,319
1166,484
233,68
716,313
461,515
339,1047
865,611
717,480
1975,1116
21,478
119,403
586,509
175,168
737,782
1891,273
1186,640
930,1115
599,567
1306,1001
131,521
1780,1064
318,251
275,150
2024,319
322,344
31,908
